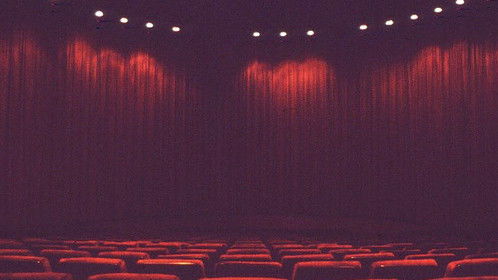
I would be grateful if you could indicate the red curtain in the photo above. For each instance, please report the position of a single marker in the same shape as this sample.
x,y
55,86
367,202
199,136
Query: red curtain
x,y
413,139
90,133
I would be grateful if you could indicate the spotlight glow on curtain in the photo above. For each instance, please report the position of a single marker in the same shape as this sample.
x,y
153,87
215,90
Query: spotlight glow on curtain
x,y
92,134
412,138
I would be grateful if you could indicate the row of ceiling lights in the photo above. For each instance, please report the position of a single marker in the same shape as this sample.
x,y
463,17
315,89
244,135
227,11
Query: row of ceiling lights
x,y
362,27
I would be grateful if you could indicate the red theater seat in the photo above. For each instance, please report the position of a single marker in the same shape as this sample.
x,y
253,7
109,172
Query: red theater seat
x,y
82,268
39,247
472,267
251,258
247,251
340,253
401,254
10,264
442,259
130,258
459,252
331,270
405,269
248,269
203,257
172,246
152,251
483,256
367,259
35,276
15,252
469,278
55,255
183,268
210,252
95,250
293,252
288,262
133,276
326,247
216,246
242,278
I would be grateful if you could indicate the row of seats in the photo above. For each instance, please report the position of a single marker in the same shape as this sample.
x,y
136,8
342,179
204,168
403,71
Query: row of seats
x,y
291,260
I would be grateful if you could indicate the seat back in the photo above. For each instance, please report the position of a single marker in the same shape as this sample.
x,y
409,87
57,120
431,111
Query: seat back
x,y
54,256
130,258
405,269
35,276
248,269
95,250
327,270
247,251
367,259
288,262
82,268
9,264
133,276
249,258
15,252
472,267
152,251
185,269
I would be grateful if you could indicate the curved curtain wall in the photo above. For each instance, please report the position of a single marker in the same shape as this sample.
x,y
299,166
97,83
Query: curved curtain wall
x,y
90,134
413,140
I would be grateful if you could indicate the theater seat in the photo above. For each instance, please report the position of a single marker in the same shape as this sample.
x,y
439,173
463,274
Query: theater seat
x,y
35,276
82,268
367,259
469,278
483,256
130,258
95,250
405,269
152,251
472,267
183,268
55,255
248,258
15,252
202,257
459,252
24,264
248,269
340,253
326,247
247,251
442,259
212,253
291,252
288,262
242,278
331,270
133,276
